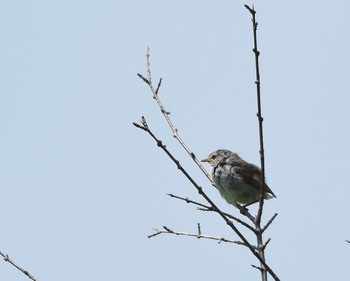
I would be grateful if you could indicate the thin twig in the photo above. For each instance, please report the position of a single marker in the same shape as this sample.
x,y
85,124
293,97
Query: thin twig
x,y
268,223
258,268
208,208
199,229
25,272
265,244
261,245
166,115
259,114
167,230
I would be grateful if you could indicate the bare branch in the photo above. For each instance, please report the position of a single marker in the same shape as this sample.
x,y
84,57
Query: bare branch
x,y
261,245
167,230
259,114
251,10
258,267
265,244
143,78
208,208
25,272
269,222
166,114
199,229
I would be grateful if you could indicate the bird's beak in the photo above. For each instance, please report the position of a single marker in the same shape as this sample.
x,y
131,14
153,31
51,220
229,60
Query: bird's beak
x,y
205,160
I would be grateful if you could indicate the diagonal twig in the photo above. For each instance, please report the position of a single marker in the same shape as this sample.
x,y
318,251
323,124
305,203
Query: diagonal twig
x,y
166,114
208,208
25,272
268,223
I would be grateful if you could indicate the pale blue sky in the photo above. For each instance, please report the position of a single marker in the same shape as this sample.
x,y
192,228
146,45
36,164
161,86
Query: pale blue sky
x,y
81,188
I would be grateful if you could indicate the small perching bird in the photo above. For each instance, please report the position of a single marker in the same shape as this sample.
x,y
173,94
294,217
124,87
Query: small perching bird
x,y
237,180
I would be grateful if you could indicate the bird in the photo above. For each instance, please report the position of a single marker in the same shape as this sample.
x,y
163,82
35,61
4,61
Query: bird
x,y
237,181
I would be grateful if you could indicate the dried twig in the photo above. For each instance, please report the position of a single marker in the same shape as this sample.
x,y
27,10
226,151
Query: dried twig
x,y
208,208
198,235
25,272
166,114
259,114
268,223
261,245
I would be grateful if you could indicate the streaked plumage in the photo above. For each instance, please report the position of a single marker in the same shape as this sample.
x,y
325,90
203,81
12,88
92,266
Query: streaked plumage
x,y
237,180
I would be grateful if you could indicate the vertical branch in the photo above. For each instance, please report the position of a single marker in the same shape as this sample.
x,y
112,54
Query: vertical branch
x,y
261,140
259,114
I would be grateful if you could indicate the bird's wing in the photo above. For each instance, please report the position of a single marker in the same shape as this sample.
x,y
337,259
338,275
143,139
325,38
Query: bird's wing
x,y
250,174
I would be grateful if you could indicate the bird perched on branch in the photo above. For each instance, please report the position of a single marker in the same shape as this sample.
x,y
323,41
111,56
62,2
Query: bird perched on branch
x,y
237,180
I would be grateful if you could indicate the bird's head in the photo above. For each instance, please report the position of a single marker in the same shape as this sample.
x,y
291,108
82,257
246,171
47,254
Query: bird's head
x,y
216,157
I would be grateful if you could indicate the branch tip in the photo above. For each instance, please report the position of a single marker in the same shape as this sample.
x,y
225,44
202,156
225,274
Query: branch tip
x,y
199,229
251,10
143,78
257,267
159,83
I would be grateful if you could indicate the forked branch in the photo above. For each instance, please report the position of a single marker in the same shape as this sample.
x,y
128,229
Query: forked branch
x,y
199,235
166,114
